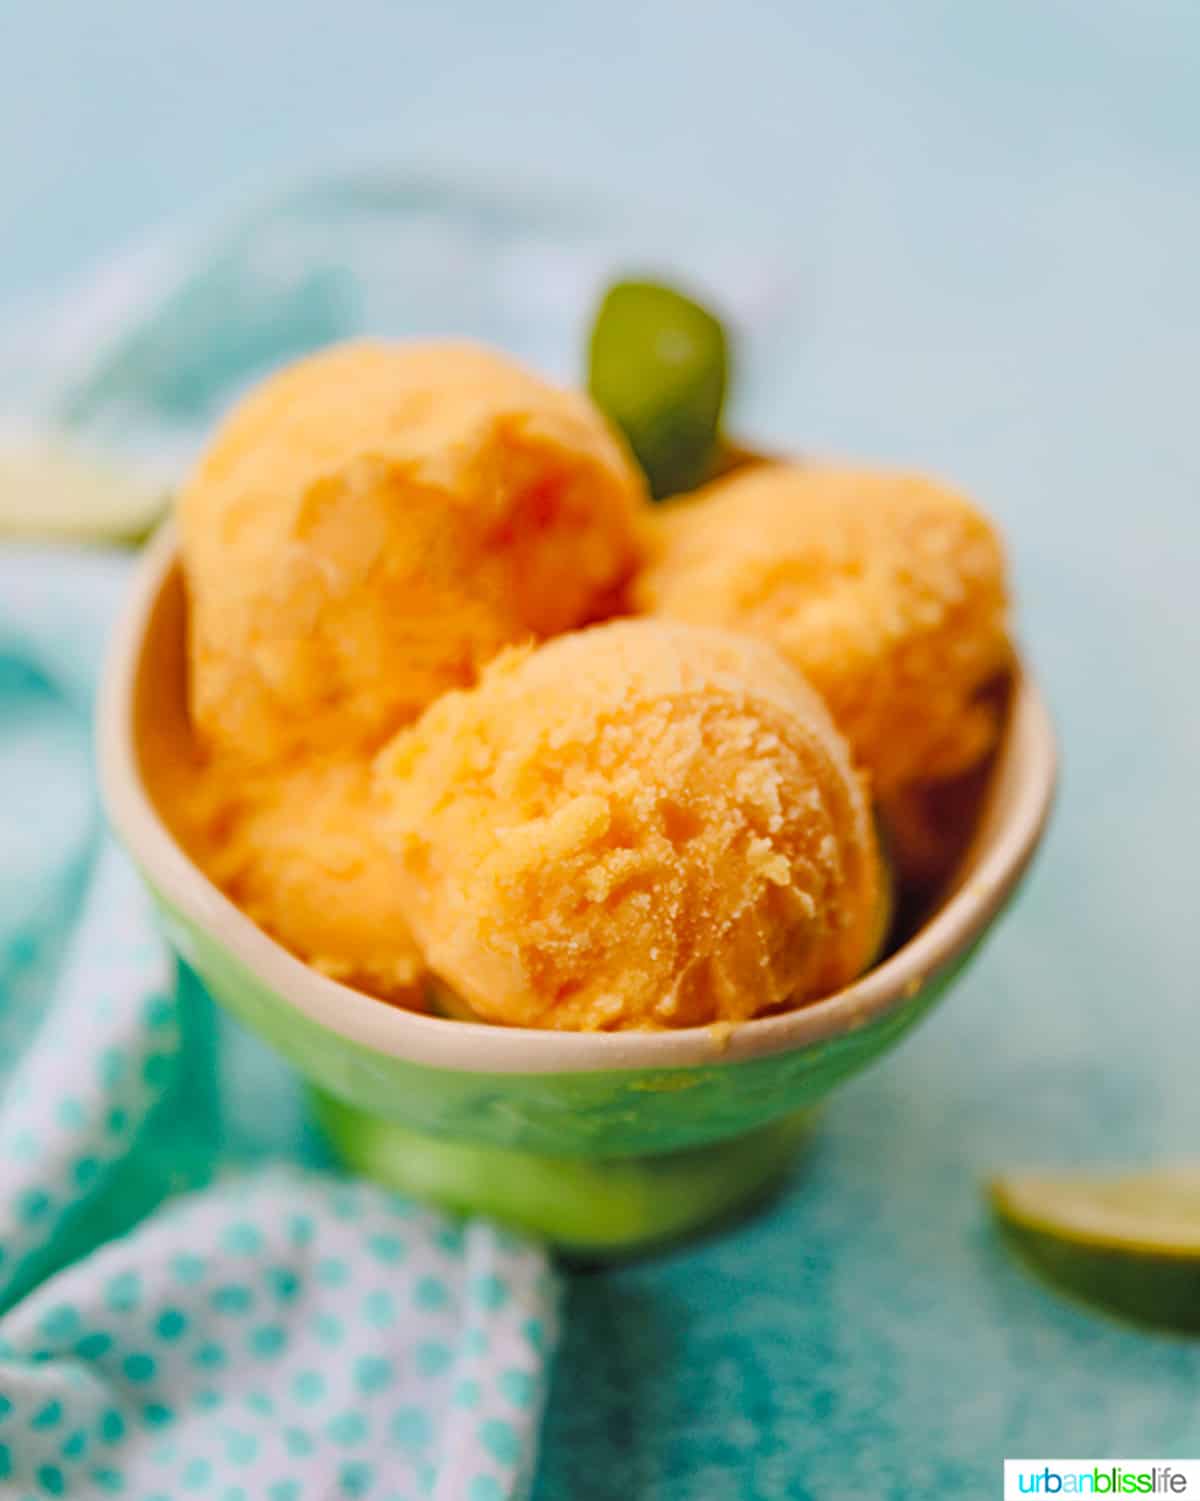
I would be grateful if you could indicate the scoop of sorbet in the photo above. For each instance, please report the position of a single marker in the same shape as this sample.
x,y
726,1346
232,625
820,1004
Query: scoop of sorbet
x,y
639,825
298,851
374,523
886,590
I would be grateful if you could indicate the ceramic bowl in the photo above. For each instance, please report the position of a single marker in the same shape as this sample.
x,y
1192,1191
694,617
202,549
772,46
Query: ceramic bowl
x,y
597,1140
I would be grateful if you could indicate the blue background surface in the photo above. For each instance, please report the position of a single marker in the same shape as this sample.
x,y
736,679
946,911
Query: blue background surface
x,y
993,212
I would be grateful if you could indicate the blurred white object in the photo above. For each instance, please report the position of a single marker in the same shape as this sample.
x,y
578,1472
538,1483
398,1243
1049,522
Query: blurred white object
x,y
54,490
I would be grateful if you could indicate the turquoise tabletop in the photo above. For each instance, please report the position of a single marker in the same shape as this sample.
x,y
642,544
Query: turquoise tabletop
x,y
991,215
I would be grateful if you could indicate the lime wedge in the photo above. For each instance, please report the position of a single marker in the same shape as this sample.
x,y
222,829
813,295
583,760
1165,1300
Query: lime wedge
x,y
658,366
1129,1243
50,491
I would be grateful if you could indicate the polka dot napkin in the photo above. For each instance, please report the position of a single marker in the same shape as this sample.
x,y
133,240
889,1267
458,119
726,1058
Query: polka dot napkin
x,y
193,1303
278,1336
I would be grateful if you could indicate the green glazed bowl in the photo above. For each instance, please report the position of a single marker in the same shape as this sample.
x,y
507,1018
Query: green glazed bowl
x,y
598,1141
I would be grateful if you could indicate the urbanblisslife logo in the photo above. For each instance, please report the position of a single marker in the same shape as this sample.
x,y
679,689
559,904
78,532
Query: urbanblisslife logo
x,y
1101,1477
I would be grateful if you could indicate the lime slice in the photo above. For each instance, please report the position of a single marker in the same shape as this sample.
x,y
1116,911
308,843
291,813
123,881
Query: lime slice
x,y
50,491
658,366
1129,1244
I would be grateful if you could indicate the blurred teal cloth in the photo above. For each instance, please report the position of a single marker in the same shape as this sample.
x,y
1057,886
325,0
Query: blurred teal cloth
x,y
865,1335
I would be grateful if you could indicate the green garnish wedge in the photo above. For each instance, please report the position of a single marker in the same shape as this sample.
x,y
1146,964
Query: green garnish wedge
x,y
658,367
1127,1243
50,491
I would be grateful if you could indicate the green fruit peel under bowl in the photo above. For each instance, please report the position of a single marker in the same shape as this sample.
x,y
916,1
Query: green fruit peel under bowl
x,y
602,1142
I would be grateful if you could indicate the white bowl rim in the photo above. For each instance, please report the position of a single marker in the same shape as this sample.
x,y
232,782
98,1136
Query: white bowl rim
x,y
438,1042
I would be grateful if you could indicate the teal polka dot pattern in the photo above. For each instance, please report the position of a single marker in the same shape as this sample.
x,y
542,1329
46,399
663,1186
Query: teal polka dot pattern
x,y
61,1323
171,1324
268,1340
308,1386
165,1452
219,1370
71,1114
139,1367
197,1473
450,1239
75,1446
239,1334
241,1446
490,1291
113,1067
431,1293
156,1070
160,1013
355,1479
299,1442
232,1297
33,1205
51,1480
433,1358
85,1171
242,1239
410,1428
518,1387
332,1272
348,1428
535,1332
112,1426
388,1248
372,1373
123,1292
501,1440
301,1231
345,1201
379,1307
187,1269
48,1416
328,1328
284,1283
467,1393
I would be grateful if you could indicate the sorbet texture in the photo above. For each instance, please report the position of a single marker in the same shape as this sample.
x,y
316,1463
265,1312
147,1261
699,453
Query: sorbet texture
x,y
641,825
300,853
374,523
887,591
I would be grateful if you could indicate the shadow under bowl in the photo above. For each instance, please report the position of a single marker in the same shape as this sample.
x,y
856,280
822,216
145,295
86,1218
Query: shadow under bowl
x,y
598,1141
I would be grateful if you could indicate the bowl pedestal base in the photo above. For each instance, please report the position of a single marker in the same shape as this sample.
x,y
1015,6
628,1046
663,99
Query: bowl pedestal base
x,y
594,1206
